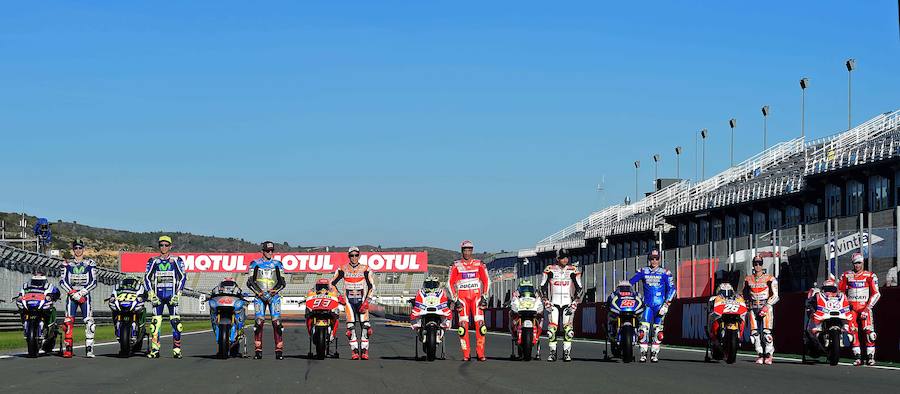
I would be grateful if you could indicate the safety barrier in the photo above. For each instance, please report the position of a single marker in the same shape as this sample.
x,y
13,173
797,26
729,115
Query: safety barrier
x,y
10,320
686,323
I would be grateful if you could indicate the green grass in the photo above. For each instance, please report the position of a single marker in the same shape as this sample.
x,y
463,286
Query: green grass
x,y
13,340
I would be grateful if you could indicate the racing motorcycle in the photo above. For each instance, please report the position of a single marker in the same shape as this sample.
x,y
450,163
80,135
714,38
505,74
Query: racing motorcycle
x,y
321,315
430,329
39,321
732,312
833,308
627,308
526,330
227,314
129,318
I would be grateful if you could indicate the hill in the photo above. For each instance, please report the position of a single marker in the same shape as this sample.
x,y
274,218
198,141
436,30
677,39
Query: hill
x,y
104,245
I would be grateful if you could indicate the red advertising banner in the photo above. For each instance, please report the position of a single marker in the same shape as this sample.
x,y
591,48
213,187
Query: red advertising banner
x,y
293,262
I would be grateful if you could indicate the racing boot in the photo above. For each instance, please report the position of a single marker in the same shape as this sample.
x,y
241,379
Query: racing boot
x,y
768,359
364,355
643,357
654,357
567,356
857,362
176,352
760,358
552,356
153,353
354,354
89,351
279,355
68,352
258,355
870,359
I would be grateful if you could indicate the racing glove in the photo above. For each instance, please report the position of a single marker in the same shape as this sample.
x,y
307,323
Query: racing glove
x,y
342,300
764,311
482,302
572,307
459,305
864,314
364,307
664,309
154,299
174,300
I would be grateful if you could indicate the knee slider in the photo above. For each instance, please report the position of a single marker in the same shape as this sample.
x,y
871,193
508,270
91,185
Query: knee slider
x,y
276,324
570,333
482,328
659,333
258,324
871,336
175,320
461,331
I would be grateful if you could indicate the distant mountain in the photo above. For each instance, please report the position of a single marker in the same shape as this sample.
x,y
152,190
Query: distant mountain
x,y
105,244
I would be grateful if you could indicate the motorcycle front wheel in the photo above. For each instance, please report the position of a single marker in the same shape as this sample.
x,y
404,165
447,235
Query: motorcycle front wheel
x,y
224,340
731,346
430,342
834,347
124,339
527,343
321,341
31,336
627,345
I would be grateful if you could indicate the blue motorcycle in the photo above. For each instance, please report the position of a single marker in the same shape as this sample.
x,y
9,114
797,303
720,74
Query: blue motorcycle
x,y
625,309
227,314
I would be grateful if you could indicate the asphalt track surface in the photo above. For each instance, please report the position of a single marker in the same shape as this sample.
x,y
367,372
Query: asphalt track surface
x,y
392,368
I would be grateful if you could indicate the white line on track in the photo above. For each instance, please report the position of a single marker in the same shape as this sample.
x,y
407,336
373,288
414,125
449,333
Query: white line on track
x,y
5,356
600,341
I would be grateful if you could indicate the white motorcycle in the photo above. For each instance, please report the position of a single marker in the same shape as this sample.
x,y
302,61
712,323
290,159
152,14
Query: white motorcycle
x,y
430,332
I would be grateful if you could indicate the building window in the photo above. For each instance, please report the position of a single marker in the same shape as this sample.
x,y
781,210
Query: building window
x,y
811,213
692,235
644,250
774,218
704,231
716,229
854,197
743,225
759,222
682,235
792,216
832,201
878,193
730,227
627,250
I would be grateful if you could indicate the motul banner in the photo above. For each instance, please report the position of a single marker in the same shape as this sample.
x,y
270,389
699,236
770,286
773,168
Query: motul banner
x,y
293,262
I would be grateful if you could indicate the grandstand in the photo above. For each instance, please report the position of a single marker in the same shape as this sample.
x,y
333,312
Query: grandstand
x,y
787,202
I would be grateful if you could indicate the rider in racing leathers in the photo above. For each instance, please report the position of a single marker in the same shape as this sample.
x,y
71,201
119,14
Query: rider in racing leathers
x,y
861,287
761,294
658,290
358,290
469,286
79,278
561,290
266,280
164,282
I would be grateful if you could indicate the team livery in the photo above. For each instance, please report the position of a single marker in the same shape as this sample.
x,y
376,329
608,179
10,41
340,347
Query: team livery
x,y
861,288
78,279
469,285
761,294
561,290
266,280
164,282
358,290
658,286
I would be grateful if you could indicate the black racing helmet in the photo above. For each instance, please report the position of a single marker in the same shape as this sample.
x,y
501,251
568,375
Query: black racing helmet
x,y
130,282
431,283
322,286
624,287
526,288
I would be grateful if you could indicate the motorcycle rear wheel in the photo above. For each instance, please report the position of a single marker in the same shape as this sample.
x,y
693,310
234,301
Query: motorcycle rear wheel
x,y
627,345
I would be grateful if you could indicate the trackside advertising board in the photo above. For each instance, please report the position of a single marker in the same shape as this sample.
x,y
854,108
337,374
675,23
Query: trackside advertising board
x,y
293,262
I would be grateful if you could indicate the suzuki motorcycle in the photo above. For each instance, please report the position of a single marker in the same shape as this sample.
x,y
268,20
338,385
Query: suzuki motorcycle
x,y
732,312
627,308
38,321
526,330
129,318
834,309
321,315
227,314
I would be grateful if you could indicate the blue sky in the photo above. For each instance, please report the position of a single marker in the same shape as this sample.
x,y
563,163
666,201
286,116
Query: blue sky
x,y
406,123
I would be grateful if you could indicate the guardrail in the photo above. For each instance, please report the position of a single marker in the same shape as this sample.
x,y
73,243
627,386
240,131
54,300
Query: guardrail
x,y
11,321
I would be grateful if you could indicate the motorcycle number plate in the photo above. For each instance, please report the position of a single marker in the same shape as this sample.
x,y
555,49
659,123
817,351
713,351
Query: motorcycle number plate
x,y
732,326
432,300
322,323
833,305
526,304
226,301
627,303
